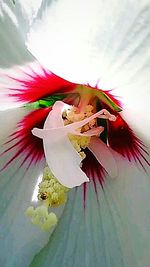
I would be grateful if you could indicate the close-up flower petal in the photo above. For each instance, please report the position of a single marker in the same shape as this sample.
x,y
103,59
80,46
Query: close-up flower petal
x,y
74,138
99,51
111,230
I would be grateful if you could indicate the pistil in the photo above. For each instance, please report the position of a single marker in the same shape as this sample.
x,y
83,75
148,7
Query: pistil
x,y
81,139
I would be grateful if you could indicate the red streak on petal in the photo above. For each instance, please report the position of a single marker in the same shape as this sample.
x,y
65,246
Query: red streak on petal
x,y
35,86
84,194
22,143
94,171
122,139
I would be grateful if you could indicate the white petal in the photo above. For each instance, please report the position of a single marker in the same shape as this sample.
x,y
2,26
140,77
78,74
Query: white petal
x,y
20,13
15,196
12,46
104,156
109,44
136,114
29,8
63,160
12,52
65,38
8,120
20,240
114,223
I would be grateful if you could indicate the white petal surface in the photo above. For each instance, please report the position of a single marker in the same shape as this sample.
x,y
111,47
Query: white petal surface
x,y
29,8
112,230
12,52
136,113
20,240
21,13
85,41
12,46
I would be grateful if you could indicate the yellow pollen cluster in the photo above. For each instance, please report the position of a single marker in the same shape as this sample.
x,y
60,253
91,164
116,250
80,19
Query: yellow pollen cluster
x,y
52,194
73,115
41,217
51,190
79,143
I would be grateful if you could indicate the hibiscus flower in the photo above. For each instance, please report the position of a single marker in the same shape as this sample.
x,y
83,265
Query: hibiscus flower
x,y
77,102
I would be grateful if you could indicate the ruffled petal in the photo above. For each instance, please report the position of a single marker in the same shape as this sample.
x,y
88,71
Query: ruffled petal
x,y
114,223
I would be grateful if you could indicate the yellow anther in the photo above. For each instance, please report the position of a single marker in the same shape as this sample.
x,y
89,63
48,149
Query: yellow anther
x,y
85,128
57,187
79,142
55,197
83,155
41,217
89,108
52,182
52,190
92,123
73,115
48,174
